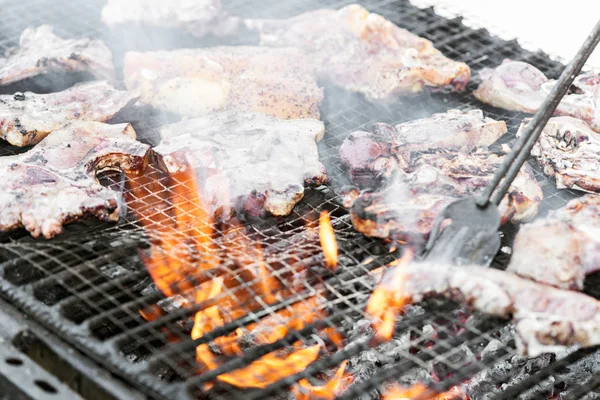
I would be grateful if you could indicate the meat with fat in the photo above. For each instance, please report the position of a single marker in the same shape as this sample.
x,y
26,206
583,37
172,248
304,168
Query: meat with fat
x,y
40,51
246,161
26,118
55,182
518,86
569,150
197,17
195,82
546,319
562,248
363,52
372,157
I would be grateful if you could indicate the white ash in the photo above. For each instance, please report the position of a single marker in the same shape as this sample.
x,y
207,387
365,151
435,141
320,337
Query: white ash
x,y
506,250
113,270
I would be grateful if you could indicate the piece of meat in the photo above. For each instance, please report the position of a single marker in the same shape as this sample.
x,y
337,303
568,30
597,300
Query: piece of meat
x,y
55,182
372,157
363,52
40,51
569,150
199,17
195,82
246,161
546,319
406,206
26,118
518,86
561,249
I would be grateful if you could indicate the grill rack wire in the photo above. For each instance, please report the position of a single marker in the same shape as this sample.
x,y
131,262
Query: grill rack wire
x,y
88,285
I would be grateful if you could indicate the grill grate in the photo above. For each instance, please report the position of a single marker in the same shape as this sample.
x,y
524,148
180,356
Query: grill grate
x,y
89,284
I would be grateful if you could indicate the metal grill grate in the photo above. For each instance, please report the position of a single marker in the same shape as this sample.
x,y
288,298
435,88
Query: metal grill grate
x,y
89,284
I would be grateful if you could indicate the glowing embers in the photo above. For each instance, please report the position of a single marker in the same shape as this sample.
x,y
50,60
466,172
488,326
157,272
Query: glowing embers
x,y
328,242
419,391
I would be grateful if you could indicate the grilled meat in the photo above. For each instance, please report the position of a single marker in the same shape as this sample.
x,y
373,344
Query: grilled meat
x,y
407,205
374,157
41,51
197,17
194,82
26,118
54,183
518,86
248,161
363,52
569,247
569,150
546,319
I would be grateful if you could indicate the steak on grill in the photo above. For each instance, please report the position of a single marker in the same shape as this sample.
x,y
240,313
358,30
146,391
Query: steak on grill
x,y
372,157
407,205
363,52
194,82
54,183
41,51
197,17
546,319
569,249
26,118
518,86
569,150
247,161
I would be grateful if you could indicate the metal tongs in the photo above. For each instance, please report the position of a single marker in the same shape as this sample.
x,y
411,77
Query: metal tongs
x,y
466,232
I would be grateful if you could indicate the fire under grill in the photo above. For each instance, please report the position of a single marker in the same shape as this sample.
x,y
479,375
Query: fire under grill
x,y
90,287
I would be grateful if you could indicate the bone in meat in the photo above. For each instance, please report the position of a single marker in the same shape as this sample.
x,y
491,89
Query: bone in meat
x,y
363,52
569,151
561,249
518,86
546,319
195,82
199,17
54,183
26,118
372,157
248,160
41,51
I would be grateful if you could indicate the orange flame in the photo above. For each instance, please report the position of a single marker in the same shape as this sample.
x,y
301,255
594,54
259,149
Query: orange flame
x,y
328,242
387,300
304,390
419,391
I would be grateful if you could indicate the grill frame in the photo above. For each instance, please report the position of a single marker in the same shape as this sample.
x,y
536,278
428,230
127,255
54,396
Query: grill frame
x,y
342,113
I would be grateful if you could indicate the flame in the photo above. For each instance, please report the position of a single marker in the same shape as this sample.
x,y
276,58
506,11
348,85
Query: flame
x,y
419,391
304,390
387,300
328,242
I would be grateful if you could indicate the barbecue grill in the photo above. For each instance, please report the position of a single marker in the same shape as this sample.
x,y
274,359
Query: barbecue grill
x,y
87,287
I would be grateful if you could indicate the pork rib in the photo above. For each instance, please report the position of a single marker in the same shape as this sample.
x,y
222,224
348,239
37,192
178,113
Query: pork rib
x,y
569,150
561,249
546,319
41,51
197,17
247,160
26,118
518,86
195,82
54,183
363,52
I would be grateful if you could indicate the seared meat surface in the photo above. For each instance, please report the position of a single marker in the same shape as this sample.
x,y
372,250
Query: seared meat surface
x,y
26,118
546,319
194,82
561,249
41,51
407,205
246,161
54,183
199,17
375,156
518,86
363,52
569,150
